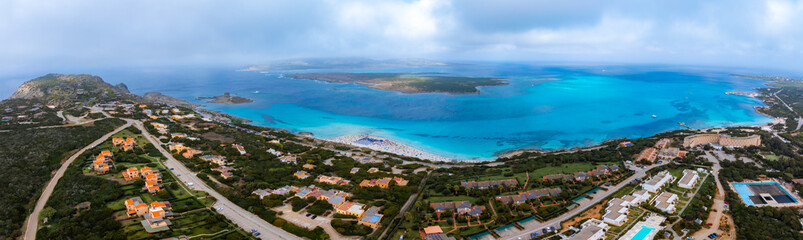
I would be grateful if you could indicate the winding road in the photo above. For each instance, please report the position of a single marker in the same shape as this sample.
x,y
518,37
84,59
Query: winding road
x,y
32,223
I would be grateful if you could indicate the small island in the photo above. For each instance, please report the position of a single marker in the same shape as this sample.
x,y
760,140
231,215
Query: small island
x,y
406,82
226,98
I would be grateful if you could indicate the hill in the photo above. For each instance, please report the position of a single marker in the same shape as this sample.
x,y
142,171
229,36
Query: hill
x,y
61,88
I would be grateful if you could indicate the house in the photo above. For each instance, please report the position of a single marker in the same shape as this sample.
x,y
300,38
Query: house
x,y
666,202
593,229
640,196
351,208
152,187
239,148
7,118
302,174
217,159
688,179
515,199
274,152
354,170
135,206
336,200
656,182
156,219
541,192
456,206
400,181
288,159
615,214
435,233
371,217
178,135
131,174
625,144
225,172
373,170
488,184
262,193
308,166
670,153
102,168
189,152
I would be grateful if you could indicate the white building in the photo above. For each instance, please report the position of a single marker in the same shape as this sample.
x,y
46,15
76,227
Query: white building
x,y
656,182
689,179
666,202
593,229
616,212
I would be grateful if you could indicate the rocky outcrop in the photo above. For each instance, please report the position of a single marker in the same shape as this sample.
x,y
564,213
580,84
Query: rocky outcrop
x,y
64,86
227,98
161,98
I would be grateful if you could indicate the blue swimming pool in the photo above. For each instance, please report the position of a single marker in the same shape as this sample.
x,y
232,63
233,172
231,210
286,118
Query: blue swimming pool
x,y
744,191
642,234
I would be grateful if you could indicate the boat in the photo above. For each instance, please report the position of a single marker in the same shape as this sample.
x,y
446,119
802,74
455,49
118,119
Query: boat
x,y
653,116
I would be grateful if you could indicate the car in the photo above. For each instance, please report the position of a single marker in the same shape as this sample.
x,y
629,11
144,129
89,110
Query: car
x,y
172,169
256,234
252,231
313,216
178,174
309,214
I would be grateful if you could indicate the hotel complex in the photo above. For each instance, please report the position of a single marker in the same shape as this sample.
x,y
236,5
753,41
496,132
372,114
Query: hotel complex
x,y
723,140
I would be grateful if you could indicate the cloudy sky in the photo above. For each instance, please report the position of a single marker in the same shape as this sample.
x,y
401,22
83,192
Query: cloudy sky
x,y
53,36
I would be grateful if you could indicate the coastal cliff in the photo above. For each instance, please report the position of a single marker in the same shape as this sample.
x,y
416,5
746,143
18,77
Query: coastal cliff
x,y
161,98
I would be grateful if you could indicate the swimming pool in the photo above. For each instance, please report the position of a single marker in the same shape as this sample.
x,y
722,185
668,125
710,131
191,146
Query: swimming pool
x,y
642,234
744,191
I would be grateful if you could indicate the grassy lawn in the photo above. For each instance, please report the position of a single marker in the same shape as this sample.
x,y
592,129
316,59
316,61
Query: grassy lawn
x,y
771,157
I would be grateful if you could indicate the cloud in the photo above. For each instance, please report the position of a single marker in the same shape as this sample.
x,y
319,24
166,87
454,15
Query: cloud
x,y
52,36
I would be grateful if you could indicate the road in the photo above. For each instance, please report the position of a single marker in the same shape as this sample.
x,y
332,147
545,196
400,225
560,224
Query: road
x,y
525,234
719,202
233,212
32,223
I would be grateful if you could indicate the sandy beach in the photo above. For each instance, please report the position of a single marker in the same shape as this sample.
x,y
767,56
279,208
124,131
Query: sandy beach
x,y
386,145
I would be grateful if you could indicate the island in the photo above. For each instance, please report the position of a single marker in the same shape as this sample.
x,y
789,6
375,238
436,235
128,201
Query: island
x,y
227,98
406,82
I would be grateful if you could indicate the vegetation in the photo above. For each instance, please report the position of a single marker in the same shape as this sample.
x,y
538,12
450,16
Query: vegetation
x,y
28,170
404,83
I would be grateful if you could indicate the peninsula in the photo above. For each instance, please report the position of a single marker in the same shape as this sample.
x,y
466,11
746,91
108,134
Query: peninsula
x,y
406,82
226,98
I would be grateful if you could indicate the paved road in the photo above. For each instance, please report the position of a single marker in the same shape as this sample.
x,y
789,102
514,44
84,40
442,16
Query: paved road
x,y
233,212
719,202
525,234
32,223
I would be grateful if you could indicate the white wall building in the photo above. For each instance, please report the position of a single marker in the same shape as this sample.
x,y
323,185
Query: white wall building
x,y
689,179
666,202
659,180
593,229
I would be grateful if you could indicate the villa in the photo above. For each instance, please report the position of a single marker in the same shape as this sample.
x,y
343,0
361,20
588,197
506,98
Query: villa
x,y
488,184
618,208
435,233
288,159
302,174
332,180
351,208
670,153
239,148
131,174
539,193
135,206
308,166
156,219
656,182
689,179
460,207
152,187
666,202
225,172
261,193
190,152
515,199
383,182
371,217
217,159
373,170
354,170
663,143
274,152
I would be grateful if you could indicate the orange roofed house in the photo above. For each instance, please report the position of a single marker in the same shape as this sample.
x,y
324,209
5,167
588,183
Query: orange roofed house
x,y
127,144
100,165
131,174
157,218
136,207
383,182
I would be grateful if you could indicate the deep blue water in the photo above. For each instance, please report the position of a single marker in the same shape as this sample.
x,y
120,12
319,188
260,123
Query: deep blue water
x,y
588,105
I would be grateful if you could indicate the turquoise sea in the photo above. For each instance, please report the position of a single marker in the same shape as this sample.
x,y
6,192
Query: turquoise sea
x,y
587,105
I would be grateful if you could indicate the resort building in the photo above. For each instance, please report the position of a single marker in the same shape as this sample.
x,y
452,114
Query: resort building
x,y
646,229
722,140
663,143
689,179
666,202
488,184
648,154
656,182
371,217
670,153
302,174
626,144
351,208
582,176
618,208
239,148
593,229
217,159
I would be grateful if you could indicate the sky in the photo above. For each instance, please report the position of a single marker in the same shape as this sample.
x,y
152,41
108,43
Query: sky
x,y
56,36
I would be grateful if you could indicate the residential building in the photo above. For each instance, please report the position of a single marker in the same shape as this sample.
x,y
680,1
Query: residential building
x,y
371,217
400,181
435,233
152,187
156,219
131,174
288,159
308,166
689,179
461,207
658,181
373,170
515,199
666,202
648,154
354,170
262,193
275,152
670,153
225,172
383,182
331,180
189,152
722,140
539,193
663,143
302,174
351,208
239,148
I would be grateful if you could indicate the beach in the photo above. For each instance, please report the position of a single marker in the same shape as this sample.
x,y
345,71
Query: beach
x,y
386,145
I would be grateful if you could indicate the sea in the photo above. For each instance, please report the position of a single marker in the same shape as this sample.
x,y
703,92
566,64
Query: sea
x,y
543,107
